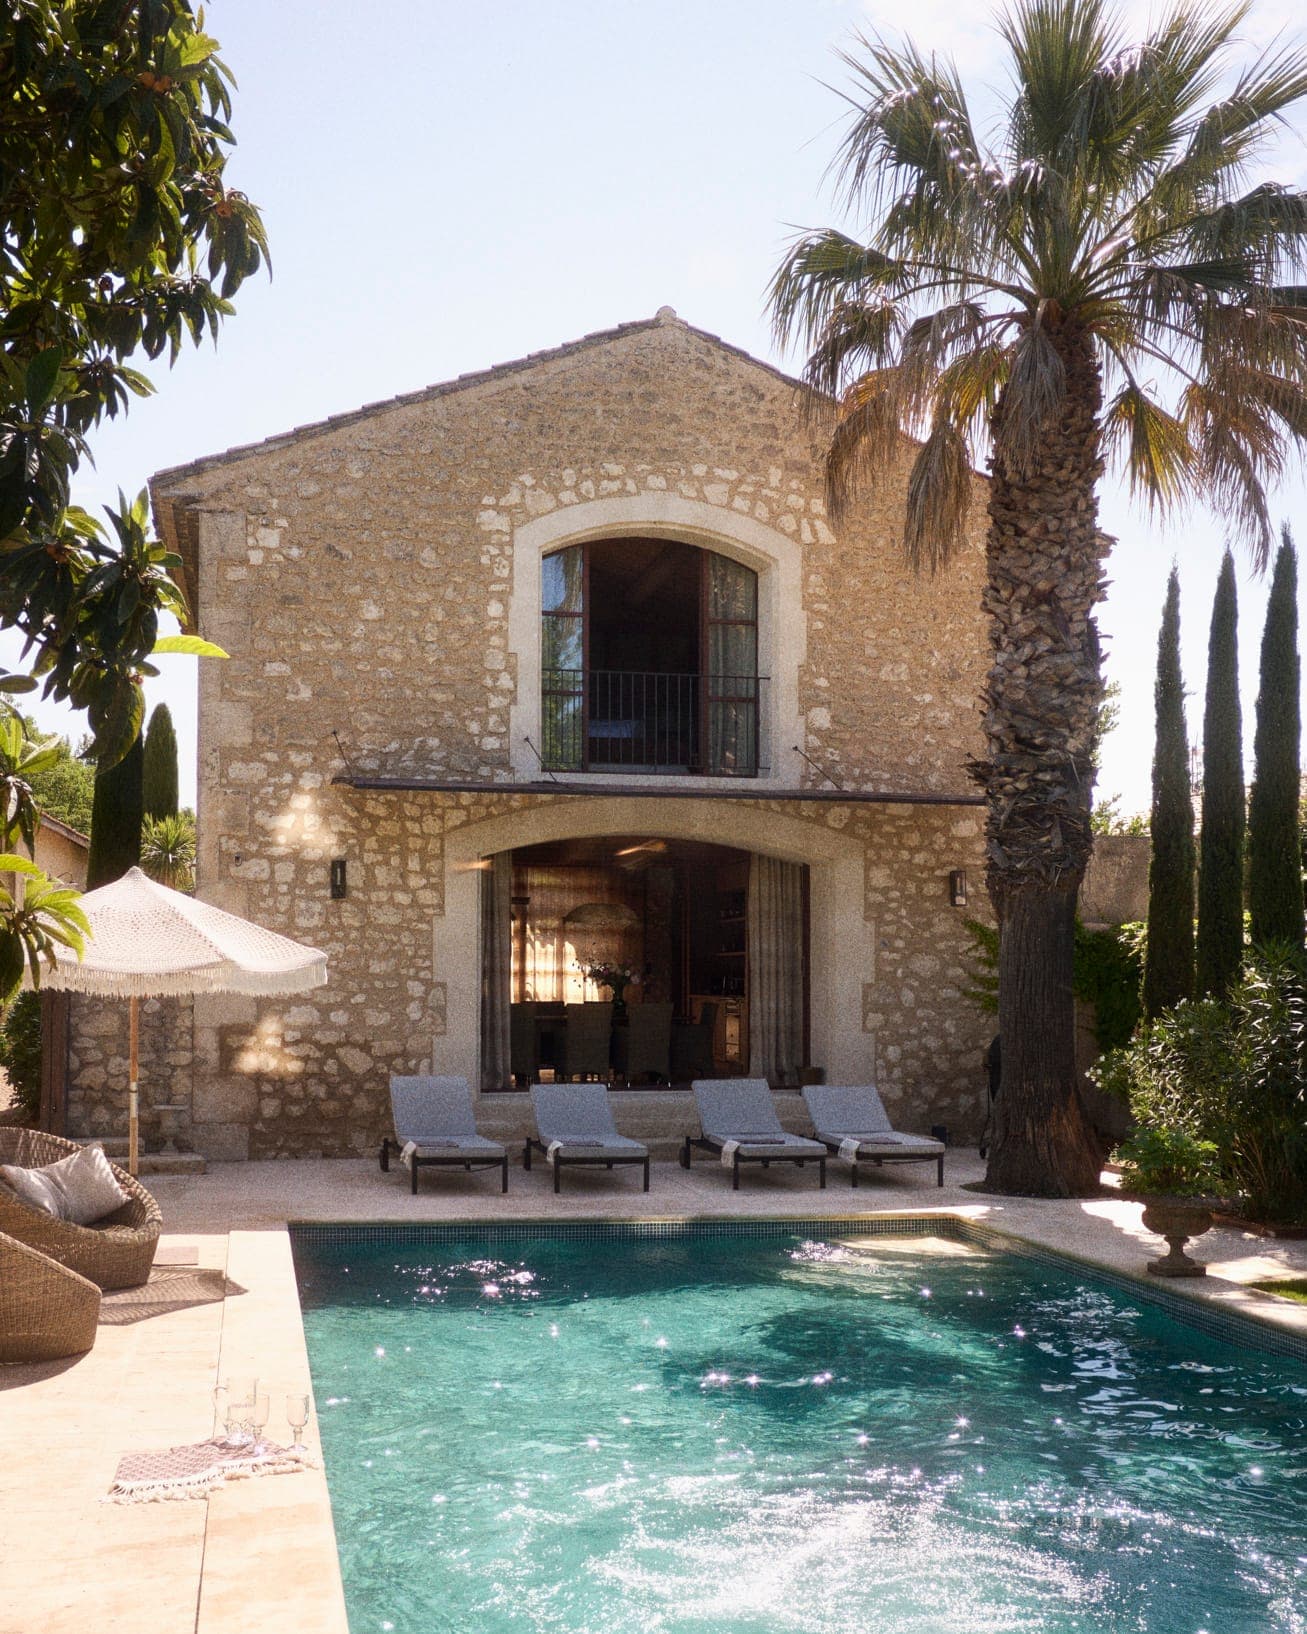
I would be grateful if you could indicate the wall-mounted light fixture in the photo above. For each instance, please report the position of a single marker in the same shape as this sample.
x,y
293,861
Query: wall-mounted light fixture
x,y
339,888
957,887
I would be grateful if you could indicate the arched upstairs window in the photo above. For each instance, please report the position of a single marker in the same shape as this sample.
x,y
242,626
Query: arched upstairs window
x,y
649,660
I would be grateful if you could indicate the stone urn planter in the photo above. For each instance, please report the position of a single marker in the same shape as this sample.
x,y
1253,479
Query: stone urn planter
x,y
1177,1219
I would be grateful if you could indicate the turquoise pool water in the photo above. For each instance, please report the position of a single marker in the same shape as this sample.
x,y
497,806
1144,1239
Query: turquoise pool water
x,y
709,1434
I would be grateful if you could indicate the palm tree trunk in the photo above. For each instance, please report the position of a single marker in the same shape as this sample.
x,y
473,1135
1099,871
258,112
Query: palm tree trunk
x,y
1041,701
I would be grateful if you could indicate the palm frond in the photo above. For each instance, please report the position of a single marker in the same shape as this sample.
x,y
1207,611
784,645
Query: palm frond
x,y
911,157
823,271
1239,454
1034,396
1265,230
1153,445
857,336
968,389
866,441
938,498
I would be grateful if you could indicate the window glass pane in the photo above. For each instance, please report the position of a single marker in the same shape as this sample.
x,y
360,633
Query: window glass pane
x,y
732,649
563,579
733,738
561,644
732,589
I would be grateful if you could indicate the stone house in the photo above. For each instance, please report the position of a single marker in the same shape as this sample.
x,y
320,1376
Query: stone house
x,y
564,664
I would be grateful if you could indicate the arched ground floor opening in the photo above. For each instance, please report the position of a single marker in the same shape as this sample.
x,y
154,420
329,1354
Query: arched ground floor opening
x,y
643,961
746,926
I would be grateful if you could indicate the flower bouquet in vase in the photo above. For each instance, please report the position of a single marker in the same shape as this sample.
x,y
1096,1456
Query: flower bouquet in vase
x,y
616,977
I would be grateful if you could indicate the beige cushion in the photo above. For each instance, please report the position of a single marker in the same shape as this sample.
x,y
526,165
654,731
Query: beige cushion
x,y
79,1188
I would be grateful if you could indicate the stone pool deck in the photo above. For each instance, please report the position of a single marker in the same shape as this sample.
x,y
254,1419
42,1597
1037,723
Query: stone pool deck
x,y
260,1554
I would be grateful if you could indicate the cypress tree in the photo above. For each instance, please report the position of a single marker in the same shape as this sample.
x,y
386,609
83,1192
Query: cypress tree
x,y
1275,897
160,772
1220,863
116,815
1169,965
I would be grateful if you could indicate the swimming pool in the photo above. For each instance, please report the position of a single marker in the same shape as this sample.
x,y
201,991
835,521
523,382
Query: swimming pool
x,y
684,1430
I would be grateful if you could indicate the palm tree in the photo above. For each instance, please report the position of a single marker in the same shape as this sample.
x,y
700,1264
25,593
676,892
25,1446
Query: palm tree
x,y
1104,282
168,849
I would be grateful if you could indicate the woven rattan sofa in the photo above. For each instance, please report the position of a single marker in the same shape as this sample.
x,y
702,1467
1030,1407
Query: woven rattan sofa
x,y
46,1310
116,1252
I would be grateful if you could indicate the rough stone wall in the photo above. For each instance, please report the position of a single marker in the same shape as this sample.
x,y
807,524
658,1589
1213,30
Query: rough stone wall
x,y
360,576
930,1037
1115,890
99,1066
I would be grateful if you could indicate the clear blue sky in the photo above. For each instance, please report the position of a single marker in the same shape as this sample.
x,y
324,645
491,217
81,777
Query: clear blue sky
x,y
450,186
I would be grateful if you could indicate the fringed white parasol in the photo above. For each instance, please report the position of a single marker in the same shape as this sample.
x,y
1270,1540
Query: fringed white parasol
x,y
148,941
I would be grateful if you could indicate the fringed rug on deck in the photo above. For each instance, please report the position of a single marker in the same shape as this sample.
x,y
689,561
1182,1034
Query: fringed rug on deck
x,y
194,1471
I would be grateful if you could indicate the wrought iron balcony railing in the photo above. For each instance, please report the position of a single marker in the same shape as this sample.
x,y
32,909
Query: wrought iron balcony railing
x,y
642,721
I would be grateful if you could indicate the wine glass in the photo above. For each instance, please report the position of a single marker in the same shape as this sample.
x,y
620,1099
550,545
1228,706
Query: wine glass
x,y
297,1416
262,1406
241,1398
220,1397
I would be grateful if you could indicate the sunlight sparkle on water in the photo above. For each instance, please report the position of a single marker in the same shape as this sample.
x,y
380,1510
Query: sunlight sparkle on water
x,y
724,1511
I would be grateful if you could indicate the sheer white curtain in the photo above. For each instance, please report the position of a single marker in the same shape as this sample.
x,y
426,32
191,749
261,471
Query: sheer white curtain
x,y
496,970
775,916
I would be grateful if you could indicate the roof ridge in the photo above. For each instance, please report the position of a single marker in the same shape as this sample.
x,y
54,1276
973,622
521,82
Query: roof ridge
x,y
666,317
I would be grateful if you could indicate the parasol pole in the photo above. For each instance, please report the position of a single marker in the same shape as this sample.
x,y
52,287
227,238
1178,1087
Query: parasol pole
x,y
133,1095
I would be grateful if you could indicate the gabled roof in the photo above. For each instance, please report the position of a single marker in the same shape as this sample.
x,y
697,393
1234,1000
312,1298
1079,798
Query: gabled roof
x,y
177,520
665,318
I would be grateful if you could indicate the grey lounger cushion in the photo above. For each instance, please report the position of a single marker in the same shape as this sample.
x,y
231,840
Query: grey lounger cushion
x,y
855,1112
579,1117
742,1110
435,1114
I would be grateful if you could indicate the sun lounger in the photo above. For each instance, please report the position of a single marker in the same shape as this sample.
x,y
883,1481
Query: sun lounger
x,y
852,1121
576,1127
435,1127
739,1122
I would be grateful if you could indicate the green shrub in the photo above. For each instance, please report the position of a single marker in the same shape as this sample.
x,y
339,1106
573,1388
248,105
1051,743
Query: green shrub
x,y
20,1052
1108,974
1170,1161
1232,1073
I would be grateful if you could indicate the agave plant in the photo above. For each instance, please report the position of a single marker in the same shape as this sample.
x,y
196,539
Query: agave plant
x,y
168,850
1107,281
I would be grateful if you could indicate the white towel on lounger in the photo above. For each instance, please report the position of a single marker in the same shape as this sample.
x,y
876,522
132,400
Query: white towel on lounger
x,y
849,1147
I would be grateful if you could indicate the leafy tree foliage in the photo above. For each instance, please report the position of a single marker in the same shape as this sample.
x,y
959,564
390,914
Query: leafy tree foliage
x,y
116,817
1169,959
20,1052
1220,867
1107,280
160,771
118,236
65,787
1232,1072
1275,892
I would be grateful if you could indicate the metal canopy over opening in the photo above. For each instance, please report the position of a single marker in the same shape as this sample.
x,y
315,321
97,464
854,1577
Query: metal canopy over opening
x,y
610,788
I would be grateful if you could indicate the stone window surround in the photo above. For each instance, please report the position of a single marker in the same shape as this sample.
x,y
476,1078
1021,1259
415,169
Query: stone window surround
x,y
782,624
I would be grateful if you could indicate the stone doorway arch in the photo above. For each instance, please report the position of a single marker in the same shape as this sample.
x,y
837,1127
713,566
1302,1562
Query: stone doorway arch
x,y
842,946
